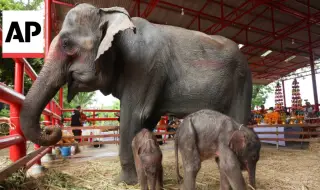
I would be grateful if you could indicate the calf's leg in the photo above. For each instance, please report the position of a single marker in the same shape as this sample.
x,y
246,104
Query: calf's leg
x,y
191,163
142,179
160,178
224,183
230,167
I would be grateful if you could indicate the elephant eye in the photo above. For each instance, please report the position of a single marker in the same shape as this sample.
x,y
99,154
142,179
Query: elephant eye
x,y
65,43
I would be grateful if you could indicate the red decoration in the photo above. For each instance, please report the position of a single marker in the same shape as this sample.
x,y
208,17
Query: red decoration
x,y
278,97
296,97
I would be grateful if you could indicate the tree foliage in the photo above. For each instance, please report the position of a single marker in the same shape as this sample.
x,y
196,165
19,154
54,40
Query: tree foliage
x,y
7,65
114,106
82,99
260,94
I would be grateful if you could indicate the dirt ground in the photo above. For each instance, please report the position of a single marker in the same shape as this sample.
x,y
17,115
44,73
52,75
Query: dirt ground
x,y
283,169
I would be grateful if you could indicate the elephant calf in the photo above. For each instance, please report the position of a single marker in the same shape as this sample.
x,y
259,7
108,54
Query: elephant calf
x,y
148,160
206,134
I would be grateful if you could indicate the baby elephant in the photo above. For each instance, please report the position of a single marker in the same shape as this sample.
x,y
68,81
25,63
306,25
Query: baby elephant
x,y
148,160
209,134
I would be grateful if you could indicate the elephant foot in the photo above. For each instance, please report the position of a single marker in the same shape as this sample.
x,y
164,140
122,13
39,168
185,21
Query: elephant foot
x,y
127,177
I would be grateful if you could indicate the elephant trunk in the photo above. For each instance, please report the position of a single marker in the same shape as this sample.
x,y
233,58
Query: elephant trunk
x,y
252,175
51,77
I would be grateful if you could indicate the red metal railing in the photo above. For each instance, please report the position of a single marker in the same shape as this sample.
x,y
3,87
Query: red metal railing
x,y
16,140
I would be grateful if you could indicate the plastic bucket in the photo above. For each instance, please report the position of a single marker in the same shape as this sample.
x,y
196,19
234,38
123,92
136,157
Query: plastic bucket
x,y
65,151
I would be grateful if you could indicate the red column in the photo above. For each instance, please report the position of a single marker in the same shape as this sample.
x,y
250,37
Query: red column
x,y
284,94
53,109
47,45
47,36
19,150
61,98
94,116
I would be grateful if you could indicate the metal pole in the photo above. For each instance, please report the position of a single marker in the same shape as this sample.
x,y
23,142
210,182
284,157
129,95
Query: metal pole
x,y
19,150
284,94
313,75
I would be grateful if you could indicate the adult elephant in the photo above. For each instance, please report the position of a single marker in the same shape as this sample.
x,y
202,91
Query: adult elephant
x,y
153,69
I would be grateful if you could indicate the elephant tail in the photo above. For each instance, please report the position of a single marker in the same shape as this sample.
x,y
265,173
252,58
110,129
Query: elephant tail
x,y
179,178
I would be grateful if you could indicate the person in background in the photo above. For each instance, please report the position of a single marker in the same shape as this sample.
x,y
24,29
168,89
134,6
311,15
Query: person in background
x,y
252,121
262,110
76,122
285,111
172,121
308,111
270,110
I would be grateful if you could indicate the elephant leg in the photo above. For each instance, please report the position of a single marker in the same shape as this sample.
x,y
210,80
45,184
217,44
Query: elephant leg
x,y
241,102
191,164
224,182
230,167
143,180
153,181
160,178
128,173
137,112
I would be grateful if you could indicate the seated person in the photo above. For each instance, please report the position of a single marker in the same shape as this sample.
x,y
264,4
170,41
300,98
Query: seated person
x,y
262,110
308,111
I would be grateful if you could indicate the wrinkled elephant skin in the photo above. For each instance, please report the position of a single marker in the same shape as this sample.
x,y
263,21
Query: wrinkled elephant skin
x,y
153,69
209,134
148,160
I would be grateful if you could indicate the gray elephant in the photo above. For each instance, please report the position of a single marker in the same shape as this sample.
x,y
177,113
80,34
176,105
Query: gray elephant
x,y
148,160
153,69
209,134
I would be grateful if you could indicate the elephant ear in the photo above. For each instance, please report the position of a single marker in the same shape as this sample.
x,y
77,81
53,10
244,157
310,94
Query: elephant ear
x,y
237,141
113,20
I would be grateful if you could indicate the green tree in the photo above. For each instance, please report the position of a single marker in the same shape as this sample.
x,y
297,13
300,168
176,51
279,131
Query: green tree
x,y
82,98
260,94
114,106
7,65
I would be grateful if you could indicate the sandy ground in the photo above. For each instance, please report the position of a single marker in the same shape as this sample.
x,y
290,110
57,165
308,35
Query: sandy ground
x,y
94,168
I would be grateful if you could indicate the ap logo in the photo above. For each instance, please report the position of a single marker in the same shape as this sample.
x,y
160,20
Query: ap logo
x,y
23,34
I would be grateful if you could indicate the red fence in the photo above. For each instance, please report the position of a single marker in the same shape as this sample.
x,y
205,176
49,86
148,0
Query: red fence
x,y
16,141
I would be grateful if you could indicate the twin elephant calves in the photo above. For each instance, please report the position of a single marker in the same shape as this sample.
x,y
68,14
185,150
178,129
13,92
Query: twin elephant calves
x,y
202,135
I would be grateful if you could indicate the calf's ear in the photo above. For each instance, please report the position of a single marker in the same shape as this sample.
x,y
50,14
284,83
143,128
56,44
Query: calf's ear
x,y
237,141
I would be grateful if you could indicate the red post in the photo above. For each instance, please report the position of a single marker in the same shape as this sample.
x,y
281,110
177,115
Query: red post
x,y
94,117
284,94
61,98
47,39
19,150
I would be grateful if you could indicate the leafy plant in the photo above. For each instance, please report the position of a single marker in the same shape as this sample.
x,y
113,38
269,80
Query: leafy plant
x,y
7,65
260,94
4,113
